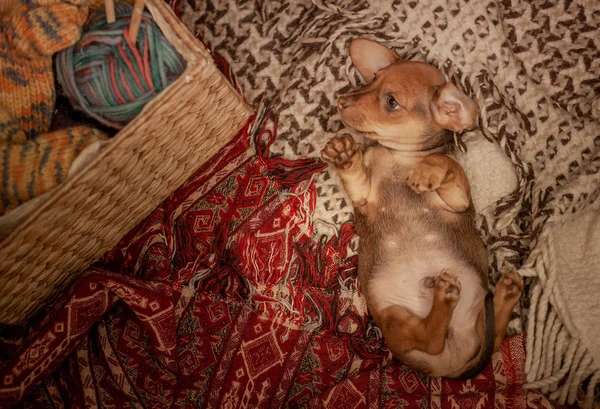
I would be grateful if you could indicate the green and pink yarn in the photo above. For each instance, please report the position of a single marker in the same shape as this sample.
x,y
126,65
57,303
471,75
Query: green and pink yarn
x,y
109,77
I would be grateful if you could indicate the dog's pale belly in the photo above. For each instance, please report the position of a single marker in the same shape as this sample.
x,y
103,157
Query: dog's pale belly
x,y
410,252
404,241
406,282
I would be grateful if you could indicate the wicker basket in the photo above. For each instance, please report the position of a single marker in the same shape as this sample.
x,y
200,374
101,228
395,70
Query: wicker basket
x,y
159,150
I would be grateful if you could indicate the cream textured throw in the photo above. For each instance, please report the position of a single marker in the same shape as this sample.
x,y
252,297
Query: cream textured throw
x,y
533,67
564,325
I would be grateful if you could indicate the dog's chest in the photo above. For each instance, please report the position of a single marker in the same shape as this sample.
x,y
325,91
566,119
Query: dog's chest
x,y
390,192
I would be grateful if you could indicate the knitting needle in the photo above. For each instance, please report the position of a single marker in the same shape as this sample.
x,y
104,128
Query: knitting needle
x,y
136,19
109,6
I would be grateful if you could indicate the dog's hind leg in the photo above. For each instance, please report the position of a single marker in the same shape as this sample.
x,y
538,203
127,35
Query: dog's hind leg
x,y
404,331
506,297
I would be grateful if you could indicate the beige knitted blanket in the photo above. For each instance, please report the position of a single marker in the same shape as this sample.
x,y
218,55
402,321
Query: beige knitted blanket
x,y
563,347
532,66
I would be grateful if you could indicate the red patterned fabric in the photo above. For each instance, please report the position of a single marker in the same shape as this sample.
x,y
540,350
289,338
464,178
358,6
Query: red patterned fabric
x,y
222,299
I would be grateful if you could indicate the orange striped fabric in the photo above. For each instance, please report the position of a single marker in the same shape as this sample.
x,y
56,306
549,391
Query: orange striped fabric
x,y
38,165
33,161
30,33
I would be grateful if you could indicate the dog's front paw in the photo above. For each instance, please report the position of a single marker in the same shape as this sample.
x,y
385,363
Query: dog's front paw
x,y
426,178
340,151
447,288
509,287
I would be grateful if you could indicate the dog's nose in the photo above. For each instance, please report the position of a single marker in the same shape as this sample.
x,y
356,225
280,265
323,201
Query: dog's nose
x,y
343,103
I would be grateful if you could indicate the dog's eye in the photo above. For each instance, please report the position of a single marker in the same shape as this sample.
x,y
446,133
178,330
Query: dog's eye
x,y
391,102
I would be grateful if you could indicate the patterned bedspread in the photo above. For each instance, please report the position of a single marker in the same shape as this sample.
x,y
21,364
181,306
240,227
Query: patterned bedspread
x,y
226,296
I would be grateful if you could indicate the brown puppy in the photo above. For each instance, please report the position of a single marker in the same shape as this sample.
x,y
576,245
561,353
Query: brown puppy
x,y
422,266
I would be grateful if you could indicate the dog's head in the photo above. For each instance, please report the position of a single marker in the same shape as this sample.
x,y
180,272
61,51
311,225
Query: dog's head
x,y
405,105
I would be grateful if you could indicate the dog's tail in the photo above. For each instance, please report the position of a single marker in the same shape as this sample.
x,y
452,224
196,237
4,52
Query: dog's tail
x,y
479,362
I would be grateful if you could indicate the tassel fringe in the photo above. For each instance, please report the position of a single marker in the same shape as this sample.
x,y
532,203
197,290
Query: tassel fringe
x,y
557,362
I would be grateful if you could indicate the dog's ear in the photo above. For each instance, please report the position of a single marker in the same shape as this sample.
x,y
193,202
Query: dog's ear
x,y
369,57
452,109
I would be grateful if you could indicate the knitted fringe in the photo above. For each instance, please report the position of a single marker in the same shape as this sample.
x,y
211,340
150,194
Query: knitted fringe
x,y
557,362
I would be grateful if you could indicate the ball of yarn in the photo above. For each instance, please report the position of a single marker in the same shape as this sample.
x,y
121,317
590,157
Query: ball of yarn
x,y
109,77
